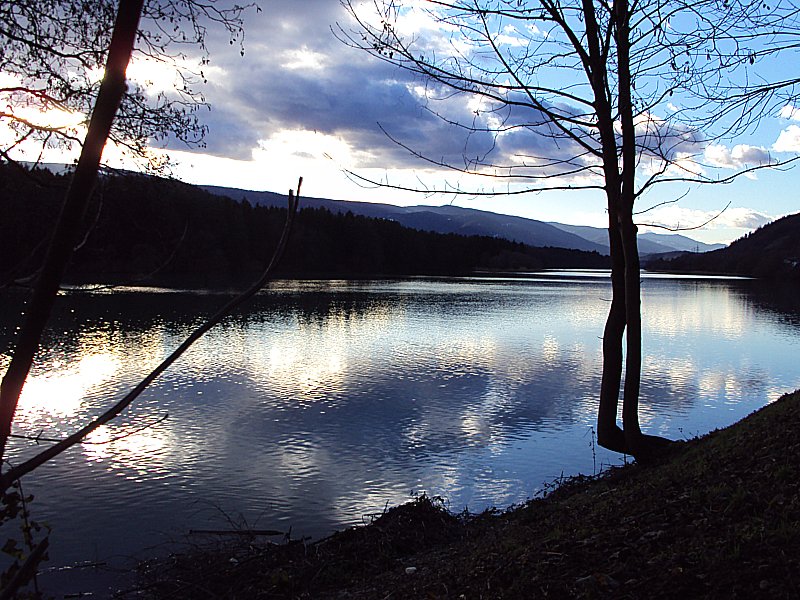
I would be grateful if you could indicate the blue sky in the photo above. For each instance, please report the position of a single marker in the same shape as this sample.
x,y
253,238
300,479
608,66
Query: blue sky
x,y
301,103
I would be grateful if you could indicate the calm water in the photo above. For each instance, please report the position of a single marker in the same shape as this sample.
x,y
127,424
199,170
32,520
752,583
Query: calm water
x,y
326,400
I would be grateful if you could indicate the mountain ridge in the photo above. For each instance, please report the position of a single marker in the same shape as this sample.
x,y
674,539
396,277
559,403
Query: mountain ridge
x,y
771,251
155,231
470,221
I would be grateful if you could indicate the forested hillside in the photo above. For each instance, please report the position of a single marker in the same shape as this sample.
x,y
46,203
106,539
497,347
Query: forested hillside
x,y
149,230
772,251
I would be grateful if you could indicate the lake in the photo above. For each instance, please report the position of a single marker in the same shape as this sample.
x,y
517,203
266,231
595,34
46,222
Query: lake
x,y
326,401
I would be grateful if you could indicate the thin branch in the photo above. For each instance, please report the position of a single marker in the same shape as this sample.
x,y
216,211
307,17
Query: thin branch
x,y
16,472
703,224
40,438
659,204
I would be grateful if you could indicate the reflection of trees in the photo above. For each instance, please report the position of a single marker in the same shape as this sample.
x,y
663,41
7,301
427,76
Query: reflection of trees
x,y
385,384
399,375
779,299
701,304
320,308
133,310
705,342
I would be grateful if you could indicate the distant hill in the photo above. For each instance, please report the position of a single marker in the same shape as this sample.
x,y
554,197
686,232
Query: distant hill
x,y
143,229
468,221
649,243
439,219
675,241
772,251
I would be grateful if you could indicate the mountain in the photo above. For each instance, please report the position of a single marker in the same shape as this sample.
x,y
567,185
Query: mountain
x,y
439,219
468,221
649,243
148,230
675,241
771,251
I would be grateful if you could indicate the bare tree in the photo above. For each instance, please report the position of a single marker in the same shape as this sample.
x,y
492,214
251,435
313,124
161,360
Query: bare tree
x,y
109,103
577,95
52,56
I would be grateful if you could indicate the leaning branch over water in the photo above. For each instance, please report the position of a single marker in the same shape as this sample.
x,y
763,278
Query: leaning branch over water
x,y
16,472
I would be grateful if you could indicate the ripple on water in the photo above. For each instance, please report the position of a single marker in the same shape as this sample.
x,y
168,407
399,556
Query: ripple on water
x,y
331,399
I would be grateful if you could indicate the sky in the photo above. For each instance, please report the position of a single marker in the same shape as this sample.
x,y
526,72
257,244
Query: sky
x,y
302,103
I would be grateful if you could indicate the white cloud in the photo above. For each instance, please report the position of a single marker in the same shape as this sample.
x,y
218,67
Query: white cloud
x,y
739,157
788,140
304,58
511,37
790,112
732,218
747,218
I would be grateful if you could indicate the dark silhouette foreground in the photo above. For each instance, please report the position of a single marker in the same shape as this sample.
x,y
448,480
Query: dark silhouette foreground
x,y
717,518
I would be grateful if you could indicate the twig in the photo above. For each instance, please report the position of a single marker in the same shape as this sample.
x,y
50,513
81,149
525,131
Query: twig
x,y
703,224
26,571
39,438
16,472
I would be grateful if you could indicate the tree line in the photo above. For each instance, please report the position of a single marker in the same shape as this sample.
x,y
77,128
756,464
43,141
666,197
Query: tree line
x,y
772,252
153,230
560,95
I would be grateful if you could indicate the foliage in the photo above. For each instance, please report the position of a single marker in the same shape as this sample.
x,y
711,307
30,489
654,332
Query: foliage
x,y
772,251
148,229
52,57
14,508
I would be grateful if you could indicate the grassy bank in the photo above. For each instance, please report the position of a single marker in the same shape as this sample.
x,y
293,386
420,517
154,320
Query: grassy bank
x,y
718,518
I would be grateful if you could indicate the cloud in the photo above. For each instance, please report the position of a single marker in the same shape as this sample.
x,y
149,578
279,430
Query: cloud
x,y
679,216
741,156
790,112
788,140
746,218
297,77
319,85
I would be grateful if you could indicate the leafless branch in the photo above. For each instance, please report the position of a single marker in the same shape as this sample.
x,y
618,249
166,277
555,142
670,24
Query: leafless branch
x,y
29,465
700,226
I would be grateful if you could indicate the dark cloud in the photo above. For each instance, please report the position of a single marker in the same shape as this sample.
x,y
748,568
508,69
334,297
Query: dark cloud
x,y
341,91
297,75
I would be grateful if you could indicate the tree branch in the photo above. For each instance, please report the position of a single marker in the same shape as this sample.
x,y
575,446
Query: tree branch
x,y
29,465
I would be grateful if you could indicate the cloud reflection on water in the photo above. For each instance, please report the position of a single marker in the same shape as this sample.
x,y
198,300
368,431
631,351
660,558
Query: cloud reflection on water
x,y
327,399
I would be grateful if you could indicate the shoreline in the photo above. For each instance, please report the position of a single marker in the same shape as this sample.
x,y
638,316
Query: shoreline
x,y
718,517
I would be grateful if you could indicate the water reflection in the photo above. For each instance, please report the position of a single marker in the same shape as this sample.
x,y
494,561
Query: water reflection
x,y
325,400
58,389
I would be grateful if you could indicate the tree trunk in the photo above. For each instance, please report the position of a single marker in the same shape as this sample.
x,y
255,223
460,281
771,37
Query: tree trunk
x,y
609,435
633,336
65,235
643,447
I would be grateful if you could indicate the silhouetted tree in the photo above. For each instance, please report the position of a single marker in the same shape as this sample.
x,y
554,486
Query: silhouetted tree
x,y
110,96
568,95
53,55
